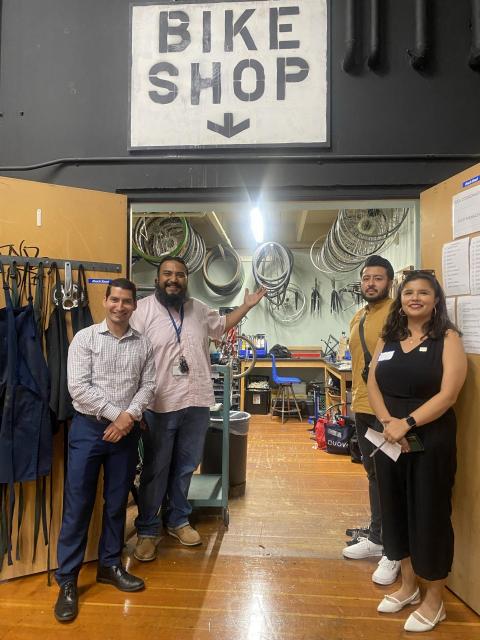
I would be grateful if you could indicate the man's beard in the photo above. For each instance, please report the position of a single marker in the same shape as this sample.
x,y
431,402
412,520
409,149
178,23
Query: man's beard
x,y
381,295
170,299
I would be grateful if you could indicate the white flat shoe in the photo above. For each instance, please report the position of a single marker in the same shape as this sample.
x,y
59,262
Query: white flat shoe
x,y
418,623
389,604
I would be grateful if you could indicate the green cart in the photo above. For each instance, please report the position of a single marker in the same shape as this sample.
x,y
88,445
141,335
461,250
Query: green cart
x,y
208,490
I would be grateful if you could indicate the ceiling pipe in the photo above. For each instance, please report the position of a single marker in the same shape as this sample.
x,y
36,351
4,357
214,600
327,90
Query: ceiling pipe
x,y
418,55
373,60
350,36
474,60
192,158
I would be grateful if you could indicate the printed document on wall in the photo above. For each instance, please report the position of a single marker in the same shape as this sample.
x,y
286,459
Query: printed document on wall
x,y
455,267
475,265
468,313
451,312
466,212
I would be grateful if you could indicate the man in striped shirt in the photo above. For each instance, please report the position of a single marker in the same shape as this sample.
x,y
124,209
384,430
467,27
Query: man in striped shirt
x,y
111,378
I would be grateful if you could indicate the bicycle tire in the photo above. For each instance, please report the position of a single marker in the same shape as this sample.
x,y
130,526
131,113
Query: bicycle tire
x,y
253,348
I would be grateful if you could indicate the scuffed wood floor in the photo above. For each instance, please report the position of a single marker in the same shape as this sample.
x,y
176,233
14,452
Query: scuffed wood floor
x,y
276,574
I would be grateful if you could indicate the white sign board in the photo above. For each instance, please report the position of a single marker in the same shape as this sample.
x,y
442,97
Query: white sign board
x,y
229,73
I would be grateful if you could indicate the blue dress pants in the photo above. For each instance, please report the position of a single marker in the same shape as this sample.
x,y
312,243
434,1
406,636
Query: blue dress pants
x,y
173,446
87,452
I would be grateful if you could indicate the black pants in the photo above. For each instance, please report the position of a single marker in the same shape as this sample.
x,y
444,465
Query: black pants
x,y
362,422
415,494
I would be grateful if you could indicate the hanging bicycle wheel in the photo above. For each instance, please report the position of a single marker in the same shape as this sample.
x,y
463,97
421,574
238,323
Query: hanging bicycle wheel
x,y
226,254
159,237
272,266
247,354
293,307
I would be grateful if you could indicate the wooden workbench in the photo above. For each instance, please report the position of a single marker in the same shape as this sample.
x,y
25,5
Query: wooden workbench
x,y
302,363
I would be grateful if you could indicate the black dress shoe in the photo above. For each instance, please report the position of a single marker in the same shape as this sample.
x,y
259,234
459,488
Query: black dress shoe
x,y
66,607
120,578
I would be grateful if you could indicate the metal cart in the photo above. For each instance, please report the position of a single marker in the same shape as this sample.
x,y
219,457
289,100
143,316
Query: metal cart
x,y
212,490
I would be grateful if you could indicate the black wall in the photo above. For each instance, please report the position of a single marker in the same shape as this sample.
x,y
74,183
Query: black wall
x,y
64,77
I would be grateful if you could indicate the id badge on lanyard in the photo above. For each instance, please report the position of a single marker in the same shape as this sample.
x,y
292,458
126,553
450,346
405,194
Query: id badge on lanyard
x,y
180,367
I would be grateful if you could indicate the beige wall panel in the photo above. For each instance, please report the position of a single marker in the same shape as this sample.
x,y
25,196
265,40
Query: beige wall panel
x,y
77,224
436,230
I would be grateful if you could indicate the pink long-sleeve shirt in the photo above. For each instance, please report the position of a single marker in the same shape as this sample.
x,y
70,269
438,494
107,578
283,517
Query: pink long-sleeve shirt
x,y
195,389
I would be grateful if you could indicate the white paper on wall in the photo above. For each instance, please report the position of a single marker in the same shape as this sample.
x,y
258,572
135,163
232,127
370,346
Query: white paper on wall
x,y
466,212
456,268
451,310
475,265
468,313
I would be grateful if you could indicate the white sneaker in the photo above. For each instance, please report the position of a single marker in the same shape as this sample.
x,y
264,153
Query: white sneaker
x,y
364,548
387,571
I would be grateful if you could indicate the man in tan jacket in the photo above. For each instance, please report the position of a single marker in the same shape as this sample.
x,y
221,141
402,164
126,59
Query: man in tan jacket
x,y
376,278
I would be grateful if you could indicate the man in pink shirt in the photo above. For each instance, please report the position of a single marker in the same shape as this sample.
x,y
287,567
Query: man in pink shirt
x,y
178,417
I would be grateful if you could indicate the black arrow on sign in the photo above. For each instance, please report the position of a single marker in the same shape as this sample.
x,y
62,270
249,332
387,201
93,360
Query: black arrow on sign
x,y
228,129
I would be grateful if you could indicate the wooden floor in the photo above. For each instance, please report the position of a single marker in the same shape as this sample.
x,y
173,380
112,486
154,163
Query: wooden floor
x,y
277,573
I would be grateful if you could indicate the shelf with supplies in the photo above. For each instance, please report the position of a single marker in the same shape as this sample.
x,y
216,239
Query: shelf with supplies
x,y
217,379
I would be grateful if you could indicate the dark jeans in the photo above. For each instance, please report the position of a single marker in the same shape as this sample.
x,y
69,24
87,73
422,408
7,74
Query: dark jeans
x,y
362,422
87,452
173,447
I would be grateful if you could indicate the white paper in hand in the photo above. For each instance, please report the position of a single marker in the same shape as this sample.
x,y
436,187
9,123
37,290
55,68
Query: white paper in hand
x,y
393,451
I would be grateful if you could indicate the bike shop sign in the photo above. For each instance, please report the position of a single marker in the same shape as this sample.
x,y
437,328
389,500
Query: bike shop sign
x,y
228,73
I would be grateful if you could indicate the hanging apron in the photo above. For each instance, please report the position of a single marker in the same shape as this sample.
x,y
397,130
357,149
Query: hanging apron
x,y
81,314
57,353
26,430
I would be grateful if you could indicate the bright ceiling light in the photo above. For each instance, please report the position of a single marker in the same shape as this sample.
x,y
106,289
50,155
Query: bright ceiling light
x,y
256,224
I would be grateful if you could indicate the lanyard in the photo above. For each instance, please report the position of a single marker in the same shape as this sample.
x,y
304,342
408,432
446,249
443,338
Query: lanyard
x,y
178,329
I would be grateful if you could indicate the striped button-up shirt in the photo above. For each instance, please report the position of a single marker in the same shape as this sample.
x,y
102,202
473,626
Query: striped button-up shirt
x,y
108,375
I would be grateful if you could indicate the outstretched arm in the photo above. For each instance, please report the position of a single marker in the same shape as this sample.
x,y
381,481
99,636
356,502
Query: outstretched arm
x,y
249,301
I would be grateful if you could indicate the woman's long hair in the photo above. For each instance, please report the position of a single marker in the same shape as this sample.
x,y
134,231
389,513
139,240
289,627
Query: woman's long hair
x,y
396,326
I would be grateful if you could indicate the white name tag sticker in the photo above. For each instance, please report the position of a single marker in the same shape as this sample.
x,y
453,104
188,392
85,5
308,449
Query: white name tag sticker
x,y
423,348
385,355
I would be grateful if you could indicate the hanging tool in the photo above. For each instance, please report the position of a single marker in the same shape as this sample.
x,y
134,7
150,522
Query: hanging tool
x,y
315,299
335,300
67,295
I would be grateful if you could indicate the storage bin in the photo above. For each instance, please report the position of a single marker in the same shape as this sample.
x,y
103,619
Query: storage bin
x,y
257,402
239,424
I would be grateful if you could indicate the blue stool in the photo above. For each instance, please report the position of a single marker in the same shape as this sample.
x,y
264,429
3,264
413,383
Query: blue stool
x,y
285,393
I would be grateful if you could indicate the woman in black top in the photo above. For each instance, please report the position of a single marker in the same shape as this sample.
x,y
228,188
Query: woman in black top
x,y
417,372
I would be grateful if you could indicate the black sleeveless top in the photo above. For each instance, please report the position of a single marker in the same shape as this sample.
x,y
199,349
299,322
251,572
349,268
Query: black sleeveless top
x,y
408,380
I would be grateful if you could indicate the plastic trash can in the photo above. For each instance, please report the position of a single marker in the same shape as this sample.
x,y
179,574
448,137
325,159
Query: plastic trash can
x,y
239,423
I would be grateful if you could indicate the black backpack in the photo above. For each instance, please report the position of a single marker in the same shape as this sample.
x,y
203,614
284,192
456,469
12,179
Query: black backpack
x,y
279,351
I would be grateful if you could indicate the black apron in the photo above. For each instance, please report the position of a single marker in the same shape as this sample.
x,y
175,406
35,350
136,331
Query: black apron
x,y
25,432
81,314
57,353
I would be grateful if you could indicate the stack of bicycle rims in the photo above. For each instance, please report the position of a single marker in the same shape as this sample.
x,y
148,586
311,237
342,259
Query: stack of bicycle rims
x,y
229,256
355,235
272,266
157,237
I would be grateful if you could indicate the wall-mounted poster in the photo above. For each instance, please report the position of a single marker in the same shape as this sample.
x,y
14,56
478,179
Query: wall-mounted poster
x,y
466,212
210,74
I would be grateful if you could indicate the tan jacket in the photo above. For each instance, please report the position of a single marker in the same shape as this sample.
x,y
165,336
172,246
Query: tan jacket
x,y
376,314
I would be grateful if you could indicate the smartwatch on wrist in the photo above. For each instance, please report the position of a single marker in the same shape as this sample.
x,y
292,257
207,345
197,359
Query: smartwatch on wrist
x,y
410,420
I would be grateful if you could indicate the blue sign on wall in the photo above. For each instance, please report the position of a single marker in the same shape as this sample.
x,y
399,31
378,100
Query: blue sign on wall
x,y
467,183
